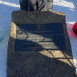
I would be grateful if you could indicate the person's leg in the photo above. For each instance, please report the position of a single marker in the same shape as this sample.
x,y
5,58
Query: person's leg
x,y
49,5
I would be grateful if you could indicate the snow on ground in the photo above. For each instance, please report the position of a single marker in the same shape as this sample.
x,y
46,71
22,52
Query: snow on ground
x,y
69,7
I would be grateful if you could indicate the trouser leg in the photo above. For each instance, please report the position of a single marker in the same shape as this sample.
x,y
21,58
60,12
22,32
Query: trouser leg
x,y
45,5
49,5
32,5
42,5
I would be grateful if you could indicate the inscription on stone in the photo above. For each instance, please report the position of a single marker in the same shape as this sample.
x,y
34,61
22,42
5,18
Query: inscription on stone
x,y
30,37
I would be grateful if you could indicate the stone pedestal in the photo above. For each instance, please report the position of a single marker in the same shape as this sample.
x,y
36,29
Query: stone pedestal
x,y
39,45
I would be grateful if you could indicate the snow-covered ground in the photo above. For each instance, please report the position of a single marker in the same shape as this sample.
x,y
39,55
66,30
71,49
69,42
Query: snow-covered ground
x,y
69,7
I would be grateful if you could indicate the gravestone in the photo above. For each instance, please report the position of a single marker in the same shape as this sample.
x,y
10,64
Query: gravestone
x,y
39,45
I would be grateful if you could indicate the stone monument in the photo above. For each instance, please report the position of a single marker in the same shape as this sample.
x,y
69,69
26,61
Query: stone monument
x,y
39,45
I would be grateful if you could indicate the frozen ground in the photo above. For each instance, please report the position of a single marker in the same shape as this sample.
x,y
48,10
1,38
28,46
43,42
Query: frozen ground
x,y
69,7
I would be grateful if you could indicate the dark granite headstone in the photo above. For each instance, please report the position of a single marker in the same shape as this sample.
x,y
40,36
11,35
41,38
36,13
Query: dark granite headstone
x,y
39,46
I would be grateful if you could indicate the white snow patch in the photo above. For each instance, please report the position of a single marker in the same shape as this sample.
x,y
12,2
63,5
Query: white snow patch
x,y
64,4
9,4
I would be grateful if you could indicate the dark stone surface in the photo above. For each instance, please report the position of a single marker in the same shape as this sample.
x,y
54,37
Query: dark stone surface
x,y
37,17
45,63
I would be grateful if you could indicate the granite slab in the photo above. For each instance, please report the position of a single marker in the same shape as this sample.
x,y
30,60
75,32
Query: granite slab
x,y
40,63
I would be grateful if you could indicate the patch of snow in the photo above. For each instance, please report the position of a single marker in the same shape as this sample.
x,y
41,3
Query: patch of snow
x,y
64,3
9,4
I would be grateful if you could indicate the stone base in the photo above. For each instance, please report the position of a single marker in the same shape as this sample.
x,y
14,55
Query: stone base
x,y
40,63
